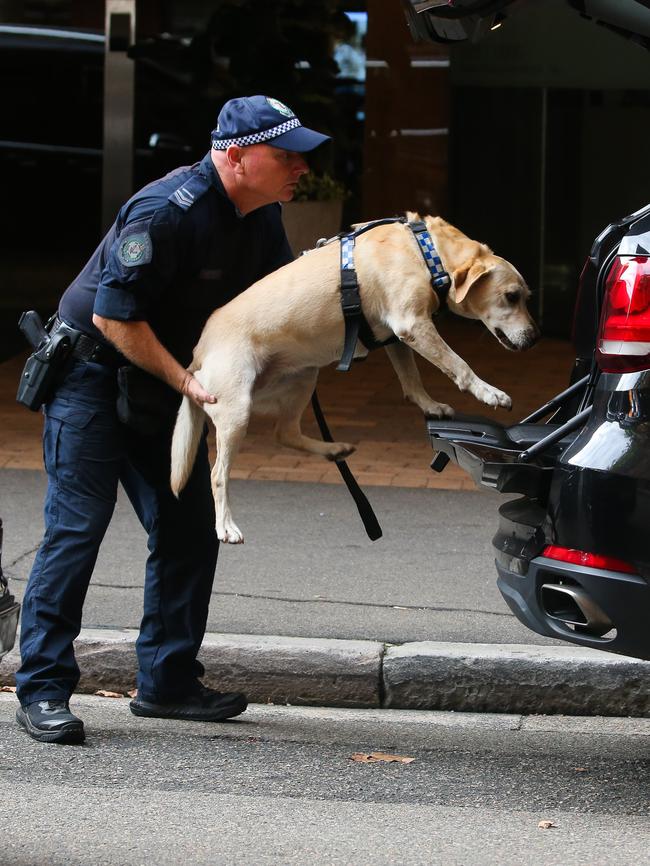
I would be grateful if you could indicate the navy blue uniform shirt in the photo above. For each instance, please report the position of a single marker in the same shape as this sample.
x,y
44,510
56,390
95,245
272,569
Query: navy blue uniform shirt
x,y
178,250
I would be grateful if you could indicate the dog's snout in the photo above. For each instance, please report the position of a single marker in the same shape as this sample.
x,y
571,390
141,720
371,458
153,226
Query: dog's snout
x,y
528,339
533,336
519,340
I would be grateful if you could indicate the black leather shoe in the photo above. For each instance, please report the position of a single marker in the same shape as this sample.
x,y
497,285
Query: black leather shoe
x,y
206,705
51,722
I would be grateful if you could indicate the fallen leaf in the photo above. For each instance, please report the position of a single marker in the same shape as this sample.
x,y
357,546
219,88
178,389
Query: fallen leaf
x,y
374,757
545,825
132,694
102,693
7,688
581,769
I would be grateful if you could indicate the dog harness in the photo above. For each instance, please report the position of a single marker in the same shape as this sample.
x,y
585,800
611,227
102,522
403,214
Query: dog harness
x,y
357,328
356,324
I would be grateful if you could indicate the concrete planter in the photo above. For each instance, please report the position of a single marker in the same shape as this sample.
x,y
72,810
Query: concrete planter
x,y
307,221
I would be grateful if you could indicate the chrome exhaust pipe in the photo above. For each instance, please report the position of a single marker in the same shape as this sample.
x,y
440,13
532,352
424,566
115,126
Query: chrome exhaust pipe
x,y
572,606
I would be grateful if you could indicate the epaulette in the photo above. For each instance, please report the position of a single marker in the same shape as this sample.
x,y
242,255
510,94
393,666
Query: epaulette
x,y
190,192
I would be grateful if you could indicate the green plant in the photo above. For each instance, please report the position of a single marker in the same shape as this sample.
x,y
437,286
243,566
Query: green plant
x,y
319,187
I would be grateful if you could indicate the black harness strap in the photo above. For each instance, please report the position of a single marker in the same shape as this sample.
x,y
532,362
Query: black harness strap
x,y
352,315
370,522
440,279
356,324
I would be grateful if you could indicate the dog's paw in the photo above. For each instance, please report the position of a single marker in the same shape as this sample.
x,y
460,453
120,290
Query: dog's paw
x,y
230,533
493,397
438,410
340,450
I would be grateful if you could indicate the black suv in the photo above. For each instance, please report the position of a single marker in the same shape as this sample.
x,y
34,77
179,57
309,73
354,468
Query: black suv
x,y
572,556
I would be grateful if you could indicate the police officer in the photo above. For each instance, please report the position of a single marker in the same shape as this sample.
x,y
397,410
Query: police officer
x,y
179,248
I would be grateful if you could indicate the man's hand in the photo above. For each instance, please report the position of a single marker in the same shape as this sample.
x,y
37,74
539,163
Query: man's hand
x,y
137,342
193,389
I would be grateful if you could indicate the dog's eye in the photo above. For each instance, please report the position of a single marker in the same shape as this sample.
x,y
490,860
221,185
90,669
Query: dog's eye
x,y
513,297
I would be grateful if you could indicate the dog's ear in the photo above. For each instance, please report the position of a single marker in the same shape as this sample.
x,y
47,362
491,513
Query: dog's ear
x,y
465,276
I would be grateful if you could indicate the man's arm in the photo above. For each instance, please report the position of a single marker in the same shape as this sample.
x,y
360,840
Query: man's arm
x,y
137,342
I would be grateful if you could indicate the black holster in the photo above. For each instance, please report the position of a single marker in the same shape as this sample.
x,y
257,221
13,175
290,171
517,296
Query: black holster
x,y
45,367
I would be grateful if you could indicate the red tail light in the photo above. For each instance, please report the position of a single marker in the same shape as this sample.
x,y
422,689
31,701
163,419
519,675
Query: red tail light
x,y
593,560
624,336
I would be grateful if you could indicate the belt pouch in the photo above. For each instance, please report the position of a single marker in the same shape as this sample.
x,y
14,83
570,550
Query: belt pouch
x,y
145,403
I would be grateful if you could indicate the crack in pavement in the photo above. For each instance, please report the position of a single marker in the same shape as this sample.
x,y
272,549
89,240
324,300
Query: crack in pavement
x,y
316,600
22,556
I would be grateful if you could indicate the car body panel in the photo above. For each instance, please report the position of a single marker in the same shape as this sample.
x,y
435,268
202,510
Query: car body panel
x,y
624,598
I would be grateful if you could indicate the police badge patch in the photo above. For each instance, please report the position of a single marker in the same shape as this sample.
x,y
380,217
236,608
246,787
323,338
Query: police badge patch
x,y
135,250
280,106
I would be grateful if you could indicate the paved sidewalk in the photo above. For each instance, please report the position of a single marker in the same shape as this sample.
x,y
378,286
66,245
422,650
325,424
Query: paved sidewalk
x,y
309,611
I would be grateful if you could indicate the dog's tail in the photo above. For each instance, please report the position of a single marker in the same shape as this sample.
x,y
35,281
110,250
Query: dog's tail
x,y
185,443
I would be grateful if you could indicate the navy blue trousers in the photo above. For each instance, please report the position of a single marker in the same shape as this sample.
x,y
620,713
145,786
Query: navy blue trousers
x,y
87,451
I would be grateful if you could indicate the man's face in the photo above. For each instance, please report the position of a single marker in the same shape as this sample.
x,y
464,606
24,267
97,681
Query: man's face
x,y
271,172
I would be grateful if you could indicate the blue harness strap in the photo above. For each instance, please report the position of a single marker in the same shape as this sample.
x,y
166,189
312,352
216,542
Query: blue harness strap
x,y
439,277
356,324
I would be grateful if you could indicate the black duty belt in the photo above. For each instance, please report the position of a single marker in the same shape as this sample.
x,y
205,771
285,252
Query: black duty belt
x,y
86,348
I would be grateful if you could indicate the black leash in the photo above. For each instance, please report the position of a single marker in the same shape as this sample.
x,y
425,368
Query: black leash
x,y
370,522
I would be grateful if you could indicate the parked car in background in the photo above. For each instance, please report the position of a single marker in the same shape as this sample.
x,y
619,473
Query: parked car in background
x,y
51,141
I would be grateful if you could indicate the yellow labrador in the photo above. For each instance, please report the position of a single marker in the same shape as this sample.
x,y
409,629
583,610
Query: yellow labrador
x,y
261,352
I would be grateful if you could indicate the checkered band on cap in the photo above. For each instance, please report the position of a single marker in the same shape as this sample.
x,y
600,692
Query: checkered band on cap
x,y
256,137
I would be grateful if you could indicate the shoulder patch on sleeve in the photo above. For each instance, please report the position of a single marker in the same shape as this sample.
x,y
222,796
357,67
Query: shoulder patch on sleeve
x,y
190,192
134,249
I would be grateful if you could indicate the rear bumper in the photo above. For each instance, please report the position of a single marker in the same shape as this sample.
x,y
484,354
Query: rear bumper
x,y
8,625
624,599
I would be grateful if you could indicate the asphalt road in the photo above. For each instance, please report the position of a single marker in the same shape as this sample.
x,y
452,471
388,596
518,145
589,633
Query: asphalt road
x,y
307,568
279,787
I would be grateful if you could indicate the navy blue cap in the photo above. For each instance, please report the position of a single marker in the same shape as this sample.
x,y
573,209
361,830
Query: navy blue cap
x,y
262,120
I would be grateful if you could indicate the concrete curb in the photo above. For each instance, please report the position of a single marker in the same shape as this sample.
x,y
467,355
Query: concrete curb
x,y
294,670
424,676
515,678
